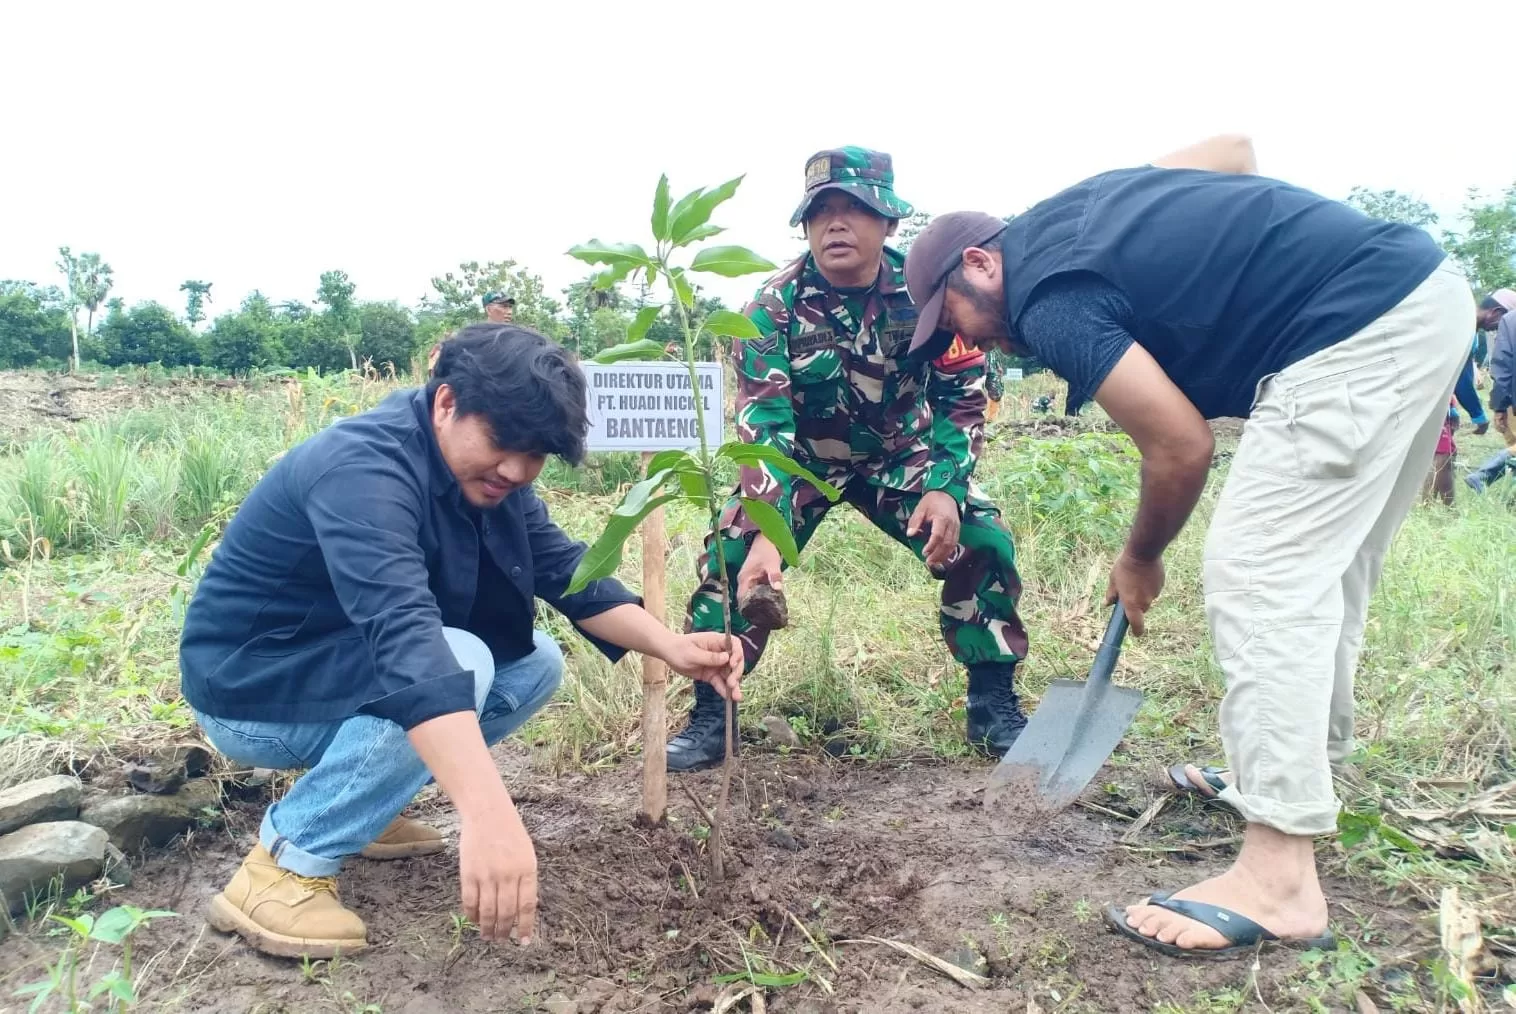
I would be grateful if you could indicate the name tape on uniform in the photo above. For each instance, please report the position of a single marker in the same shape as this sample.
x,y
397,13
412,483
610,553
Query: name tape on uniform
x,y
650,406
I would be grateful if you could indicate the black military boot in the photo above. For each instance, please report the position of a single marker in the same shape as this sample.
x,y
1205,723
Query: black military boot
x,y
995,716
703,741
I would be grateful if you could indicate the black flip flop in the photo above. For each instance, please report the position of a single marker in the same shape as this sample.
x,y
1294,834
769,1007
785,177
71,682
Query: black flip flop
x,y
1182,785
1245,935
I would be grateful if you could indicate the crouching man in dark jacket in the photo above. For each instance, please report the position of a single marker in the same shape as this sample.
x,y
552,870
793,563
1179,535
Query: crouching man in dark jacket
x,y
369,617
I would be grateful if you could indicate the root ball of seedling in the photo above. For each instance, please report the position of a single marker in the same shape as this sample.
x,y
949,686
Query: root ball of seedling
x,y
765,607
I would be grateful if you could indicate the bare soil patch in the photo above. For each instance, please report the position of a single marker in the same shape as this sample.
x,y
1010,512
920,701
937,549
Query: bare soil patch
x,y
32,402
899,851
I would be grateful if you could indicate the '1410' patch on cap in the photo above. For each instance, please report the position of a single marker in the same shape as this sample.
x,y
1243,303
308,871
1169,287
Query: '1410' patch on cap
x,y
818,171
959,356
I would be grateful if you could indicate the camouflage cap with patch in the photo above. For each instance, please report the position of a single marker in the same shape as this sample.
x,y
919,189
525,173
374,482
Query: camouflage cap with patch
x,y
497,297
866,175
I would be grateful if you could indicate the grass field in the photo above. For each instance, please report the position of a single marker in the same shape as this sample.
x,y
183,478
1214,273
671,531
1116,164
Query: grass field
x,y
105,525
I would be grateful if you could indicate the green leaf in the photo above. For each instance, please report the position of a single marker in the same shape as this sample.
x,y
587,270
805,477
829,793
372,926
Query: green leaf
x,y
672,460
122,990
642,322
606,278
641,491
696,489
193,553
1399,838
682,288
772,524
652,276
754,455
80,926
661,209
596,252
644,348
602,559
682,206
698,212
1353,828
768,980
114,926
728,324
730,261
704,232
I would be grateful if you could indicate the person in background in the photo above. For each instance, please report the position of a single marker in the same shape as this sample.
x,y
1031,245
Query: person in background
x,y
499,308
1495,314
1439,483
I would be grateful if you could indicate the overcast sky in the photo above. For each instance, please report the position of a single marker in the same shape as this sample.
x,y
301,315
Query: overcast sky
x,y
257,145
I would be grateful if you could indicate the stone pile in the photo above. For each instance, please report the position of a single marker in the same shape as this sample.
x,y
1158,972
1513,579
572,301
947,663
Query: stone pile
x,y
55,830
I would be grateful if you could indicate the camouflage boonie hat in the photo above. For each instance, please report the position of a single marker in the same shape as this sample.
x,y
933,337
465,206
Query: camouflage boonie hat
x,y
497,297
864,174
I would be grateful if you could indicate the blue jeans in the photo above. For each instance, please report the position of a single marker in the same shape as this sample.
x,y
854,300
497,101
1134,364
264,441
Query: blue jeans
x,y
363,770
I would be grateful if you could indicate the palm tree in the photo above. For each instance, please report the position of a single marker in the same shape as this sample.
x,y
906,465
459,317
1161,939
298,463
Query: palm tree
x,y
95,282
68,264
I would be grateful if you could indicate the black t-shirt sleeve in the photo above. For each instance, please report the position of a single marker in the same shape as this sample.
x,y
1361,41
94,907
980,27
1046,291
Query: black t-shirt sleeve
x,y
1078,326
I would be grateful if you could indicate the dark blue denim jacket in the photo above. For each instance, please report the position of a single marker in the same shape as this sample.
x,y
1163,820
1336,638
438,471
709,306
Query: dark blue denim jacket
x,y
329,591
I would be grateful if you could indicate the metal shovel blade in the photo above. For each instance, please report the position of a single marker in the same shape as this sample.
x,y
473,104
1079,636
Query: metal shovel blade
x,y
1069,737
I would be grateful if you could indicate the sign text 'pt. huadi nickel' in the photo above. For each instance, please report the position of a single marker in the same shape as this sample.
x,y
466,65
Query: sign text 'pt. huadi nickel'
x,y
651,407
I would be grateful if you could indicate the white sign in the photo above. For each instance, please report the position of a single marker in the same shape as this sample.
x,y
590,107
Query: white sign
x,y
1014,373
650,407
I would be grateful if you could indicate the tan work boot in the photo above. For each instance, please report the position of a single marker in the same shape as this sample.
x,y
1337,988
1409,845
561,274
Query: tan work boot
x,y
405,838
285,914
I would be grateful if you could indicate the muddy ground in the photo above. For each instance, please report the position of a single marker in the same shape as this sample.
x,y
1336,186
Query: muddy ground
x,y
898,851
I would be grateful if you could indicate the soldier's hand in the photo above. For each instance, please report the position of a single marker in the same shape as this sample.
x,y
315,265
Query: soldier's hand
x,y
939,512
762,566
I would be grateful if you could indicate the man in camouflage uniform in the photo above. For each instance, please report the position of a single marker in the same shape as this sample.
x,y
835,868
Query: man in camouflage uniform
x,y
830,384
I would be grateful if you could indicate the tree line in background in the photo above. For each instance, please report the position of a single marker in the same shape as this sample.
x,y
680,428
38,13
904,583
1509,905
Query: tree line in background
x,y
78,321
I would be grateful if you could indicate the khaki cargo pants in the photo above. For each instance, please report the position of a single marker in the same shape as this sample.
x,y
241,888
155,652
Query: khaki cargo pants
x,y
1329,464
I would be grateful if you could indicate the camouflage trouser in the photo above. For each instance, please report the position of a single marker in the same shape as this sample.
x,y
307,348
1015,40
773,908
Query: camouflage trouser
x,y
979,589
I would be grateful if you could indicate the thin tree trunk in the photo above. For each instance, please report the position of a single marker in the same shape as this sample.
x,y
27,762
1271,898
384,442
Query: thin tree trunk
x,y
73,327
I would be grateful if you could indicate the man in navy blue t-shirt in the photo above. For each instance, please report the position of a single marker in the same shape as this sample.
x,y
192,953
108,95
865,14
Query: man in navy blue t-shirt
x,y
1193,288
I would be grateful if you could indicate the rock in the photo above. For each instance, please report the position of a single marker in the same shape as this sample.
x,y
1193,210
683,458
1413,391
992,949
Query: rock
x,y
115,867
781,838
969,959
780,731
595,992
156,820
703,995
152,777
560,1004
163,771
55,797
31,857
253,784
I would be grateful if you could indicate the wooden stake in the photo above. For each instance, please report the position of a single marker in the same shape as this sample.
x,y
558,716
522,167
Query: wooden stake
x,y
655,677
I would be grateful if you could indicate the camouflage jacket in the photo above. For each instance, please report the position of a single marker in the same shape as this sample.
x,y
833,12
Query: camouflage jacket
x,y
828,382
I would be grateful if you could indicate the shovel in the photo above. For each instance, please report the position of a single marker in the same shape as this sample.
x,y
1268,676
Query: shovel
x,y
1073,731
